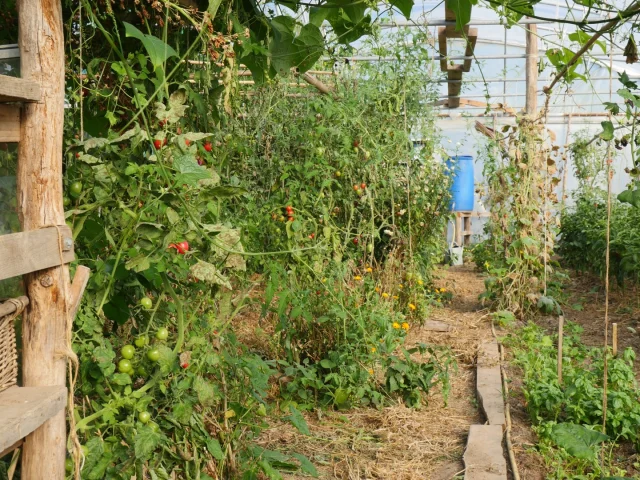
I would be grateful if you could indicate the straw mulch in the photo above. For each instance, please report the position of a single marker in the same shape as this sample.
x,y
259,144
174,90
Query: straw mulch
x,y
397,442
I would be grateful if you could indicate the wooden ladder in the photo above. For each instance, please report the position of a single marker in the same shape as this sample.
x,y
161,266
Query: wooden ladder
x,y
24,409
32,114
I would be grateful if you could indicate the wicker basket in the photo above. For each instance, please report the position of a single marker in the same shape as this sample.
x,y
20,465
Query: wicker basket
x,y
8,353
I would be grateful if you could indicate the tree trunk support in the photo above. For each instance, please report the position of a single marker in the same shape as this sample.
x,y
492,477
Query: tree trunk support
x,y
40,193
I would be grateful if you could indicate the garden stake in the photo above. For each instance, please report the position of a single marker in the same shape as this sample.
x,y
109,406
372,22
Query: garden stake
x,y
614,339
606,300
560,337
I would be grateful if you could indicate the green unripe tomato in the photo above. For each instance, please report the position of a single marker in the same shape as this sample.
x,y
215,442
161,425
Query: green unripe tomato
x,y
144,417
320,151
162,333
128,351
146,303
124,366
66,201
75,189
153,354
370,248
141,341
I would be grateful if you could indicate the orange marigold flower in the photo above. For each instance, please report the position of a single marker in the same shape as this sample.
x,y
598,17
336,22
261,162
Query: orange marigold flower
x,y
412,306
405,326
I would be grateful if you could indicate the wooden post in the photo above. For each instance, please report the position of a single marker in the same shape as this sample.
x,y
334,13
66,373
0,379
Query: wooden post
x,y
39,182
615,339
532,70
466,229
560,336
457,234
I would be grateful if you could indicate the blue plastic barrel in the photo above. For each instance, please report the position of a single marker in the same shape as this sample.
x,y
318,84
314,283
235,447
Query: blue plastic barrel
x,y
462,188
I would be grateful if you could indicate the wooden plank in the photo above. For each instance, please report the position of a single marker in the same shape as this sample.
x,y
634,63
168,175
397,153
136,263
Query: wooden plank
x,y
78,285
14,89
9,123
27,252
23,409
10,449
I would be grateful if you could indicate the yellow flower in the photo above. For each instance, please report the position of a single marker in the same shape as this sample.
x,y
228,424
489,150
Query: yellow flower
x,y
420,282
373,349
412,306
396,325
357,278
486,265
369,270
395,297
400,286
371,371
405,326
385,295
442,290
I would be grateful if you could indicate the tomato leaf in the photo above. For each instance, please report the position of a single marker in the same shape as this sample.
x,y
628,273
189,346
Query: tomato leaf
x,y
159,52
146,441
297,420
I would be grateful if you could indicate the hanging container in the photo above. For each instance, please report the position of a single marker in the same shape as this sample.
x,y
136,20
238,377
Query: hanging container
x,y
462,186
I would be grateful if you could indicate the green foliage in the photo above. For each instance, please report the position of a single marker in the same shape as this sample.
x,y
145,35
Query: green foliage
x,y
583,236
521,173
568,417
579,399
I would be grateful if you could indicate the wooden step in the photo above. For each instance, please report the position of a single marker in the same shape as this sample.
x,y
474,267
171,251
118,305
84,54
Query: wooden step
x,y
27,252
14,89
23,409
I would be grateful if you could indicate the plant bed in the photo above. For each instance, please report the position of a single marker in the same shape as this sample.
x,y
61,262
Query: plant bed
x,y
393,441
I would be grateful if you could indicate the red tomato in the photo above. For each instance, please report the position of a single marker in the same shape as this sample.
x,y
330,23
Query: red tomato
x,y
181,248
157,144
208,147
185,365
363,186
291,219
187,142
355,241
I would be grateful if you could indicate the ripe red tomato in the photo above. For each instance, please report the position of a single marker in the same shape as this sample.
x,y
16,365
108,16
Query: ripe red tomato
x,y
355,241
77,154
185,365
291,219
356,188
157,144
165,141
363,186
208,147
181,247
289,209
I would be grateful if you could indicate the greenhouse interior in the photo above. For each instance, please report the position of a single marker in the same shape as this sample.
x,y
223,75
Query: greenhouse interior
x,y
327,239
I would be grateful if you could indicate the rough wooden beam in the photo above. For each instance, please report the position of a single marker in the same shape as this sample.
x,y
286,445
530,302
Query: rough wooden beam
x,y
531,104
24,409
14,89
28,252
39,182
9,123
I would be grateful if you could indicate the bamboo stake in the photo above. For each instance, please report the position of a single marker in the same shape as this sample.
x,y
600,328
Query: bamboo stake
x,y
39,185
560,338
614,339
